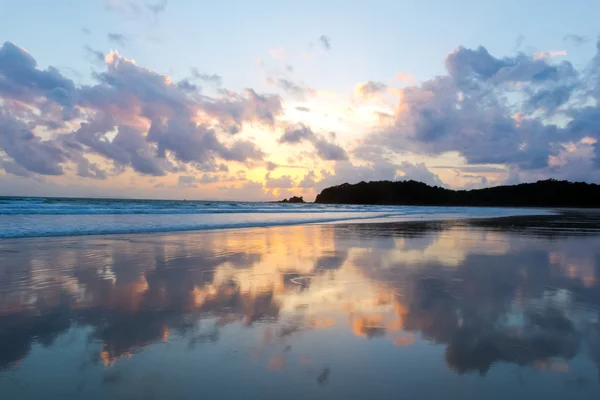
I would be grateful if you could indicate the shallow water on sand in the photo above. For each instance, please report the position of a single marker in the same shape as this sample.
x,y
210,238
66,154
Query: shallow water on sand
x,y
495,310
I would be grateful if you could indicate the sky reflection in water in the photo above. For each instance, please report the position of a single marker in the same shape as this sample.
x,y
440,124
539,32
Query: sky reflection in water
x,y
349,311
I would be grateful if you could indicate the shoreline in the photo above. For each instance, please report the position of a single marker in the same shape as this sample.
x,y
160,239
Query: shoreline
x,y
358,220
575,221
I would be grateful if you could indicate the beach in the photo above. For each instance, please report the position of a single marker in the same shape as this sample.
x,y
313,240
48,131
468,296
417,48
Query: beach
x,y
489,307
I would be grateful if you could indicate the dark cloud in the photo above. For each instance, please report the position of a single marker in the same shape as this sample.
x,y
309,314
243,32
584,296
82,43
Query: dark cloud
x,y
141,154
118,39
575,39
128,148
186,86
96,55
208,78
329,151
293,89
296,134
519,41
137,9
20,79
86,169
325,42
369,89
28,150
271,166
235,109
471,68
157,8
242,151
303,109
188,142
325,149
15,169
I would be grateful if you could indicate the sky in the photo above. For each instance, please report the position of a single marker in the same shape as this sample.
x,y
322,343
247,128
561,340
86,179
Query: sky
x,y
239,100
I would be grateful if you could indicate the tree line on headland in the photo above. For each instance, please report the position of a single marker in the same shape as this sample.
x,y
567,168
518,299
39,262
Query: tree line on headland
x,y
547,193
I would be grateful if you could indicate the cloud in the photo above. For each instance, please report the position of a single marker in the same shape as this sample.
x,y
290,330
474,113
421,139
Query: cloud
x,y
193,181
519,41
329,151
86,169
187,181
347,172
249,191
15,169
213,79
419,172
27,150
20,79
293,89
96,55
494,110
575,39
542,55
472,168
325,42
118,39
132,116
325,149
157,8
282,182
369,90
234,109
136,9
534,115
296,133
309,180
405,77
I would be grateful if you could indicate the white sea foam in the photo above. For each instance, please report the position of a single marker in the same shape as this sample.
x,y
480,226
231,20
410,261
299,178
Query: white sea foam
x,y
38,217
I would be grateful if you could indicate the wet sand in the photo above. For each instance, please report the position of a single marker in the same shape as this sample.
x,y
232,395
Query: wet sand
x,y
495,309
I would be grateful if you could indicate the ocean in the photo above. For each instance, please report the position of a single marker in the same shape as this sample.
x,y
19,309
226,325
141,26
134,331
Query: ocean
x,y
44,216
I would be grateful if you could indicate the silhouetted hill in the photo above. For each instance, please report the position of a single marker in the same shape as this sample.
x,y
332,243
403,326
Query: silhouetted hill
x,y
293,199
548,193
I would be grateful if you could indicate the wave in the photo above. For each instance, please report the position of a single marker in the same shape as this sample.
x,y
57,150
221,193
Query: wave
x,y
173,228
39,225
66,206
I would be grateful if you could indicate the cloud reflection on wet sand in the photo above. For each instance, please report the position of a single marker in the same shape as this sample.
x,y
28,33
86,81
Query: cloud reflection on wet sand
x,y
487,296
